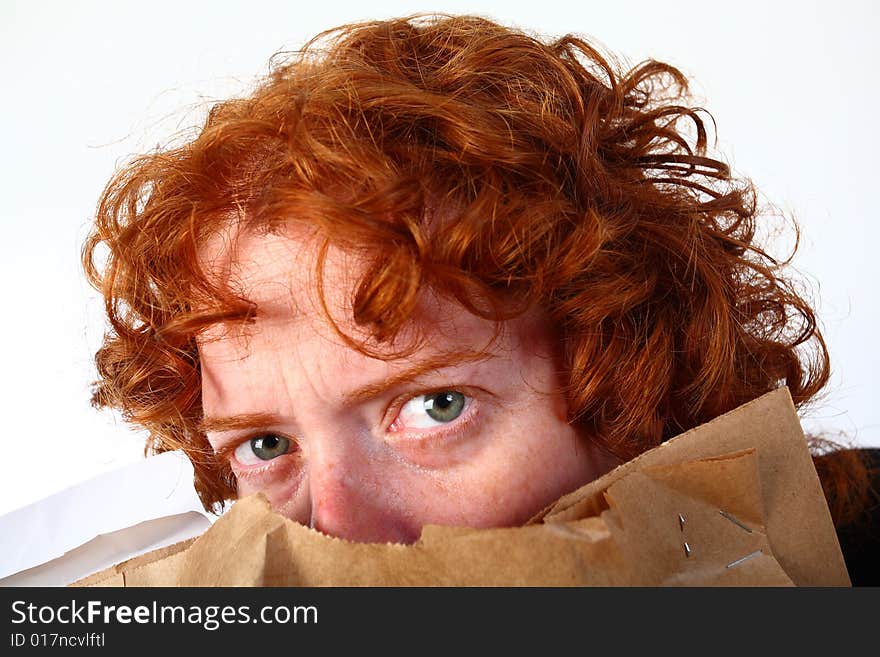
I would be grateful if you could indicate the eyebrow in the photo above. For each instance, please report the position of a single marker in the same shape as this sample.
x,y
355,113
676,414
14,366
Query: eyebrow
x,y
437,362
239,421
432,364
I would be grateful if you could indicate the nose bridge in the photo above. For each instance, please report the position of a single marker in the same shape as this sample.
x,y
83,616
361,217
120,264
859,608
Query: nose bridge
x,y
351,492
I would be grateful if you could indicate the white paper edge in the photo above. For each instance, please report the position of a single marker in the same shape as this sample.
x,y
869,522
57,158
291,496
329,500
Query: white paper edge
x,y
156,487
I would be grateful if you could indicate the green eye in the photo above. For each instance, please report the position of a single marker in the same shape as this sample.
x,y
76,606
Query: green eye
x,y
444,406
269,446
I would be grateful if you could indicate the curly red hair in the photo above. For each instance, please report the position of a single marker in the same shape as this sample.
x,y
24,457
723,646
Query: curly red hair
x,y
499,169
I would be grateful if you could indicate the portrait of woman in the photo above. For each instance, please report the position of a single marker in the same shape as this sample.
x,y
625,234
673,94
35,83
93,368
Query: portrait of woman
x,y
441,269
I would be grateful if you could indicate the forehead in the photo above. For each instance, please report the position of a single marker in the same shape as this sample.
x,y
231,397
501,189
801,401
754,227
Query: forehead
x,y
278,271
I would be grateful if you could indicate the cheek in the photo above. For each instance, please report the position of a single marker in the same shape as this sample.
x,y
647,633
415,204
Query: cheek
x,y
530,464
286,490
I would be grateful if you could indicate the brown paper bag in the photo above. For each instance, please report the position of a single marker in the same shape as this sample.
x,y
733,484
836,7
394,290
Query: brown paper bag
x,y
733,502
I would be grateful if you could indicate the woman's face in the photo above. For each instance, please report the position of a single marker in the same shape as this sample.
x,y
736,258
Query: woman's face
x,y
465,431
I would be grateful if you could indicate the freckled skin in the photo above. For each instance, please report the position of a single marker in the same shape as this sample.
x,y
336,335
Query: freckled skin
x,y
349,473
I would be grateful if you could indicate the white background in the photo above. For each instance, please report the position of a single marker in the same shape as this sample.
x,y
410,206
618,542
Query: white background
x,y
793,88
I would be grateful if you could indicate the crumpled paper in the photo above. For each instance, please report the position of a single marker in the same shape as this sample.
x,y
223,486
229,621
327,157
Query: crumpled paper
x,y
734,502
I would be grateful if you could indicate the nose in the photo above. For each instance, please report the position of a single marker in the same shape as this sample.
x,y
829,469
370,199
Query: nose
x,y
353,495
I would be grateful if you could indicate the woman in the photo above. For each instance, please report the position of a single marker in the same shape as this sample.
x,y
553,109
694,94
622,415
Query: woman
x,y
434,270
